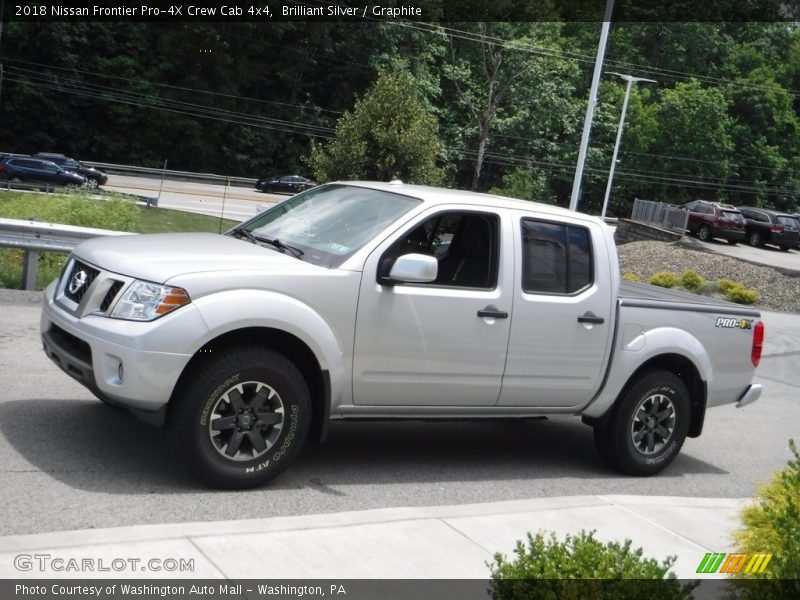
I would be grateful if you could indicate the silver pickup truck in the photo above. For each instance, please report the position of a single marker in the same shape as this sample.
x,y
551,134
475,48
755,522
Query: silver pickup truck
x,y
391,301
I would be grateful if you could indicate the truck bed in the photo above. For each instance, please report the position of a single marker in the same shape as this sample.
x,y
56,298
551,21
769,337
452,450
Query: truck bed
x,y
650,296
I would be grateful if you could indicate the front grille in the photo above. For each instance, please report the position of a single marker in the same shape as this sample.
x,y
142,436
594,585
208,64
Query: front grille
x,y
74,346
77,284
110,295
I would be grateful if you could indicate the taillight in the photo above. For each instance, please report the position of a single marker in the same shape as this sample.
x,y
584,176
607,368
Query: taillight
x,y
2,168
776,229
758,343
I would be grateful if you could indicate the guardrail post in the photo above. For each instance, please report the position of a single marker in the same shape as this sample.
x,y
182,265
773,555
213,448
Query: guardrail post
x,y
30,268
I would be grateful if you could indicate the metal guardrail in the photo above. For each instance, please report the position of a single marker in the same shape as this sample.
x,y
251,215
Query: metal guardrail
x,y
35,237
662,215
157,172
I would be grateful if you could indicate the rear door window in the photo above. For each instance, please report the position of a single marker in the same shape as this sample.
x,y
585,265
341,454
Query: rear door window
x,y
556,258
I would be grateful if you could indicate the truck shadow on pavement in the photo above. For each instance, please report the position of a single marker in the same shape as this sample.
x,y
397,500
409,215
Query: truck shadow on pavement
x,y
90,446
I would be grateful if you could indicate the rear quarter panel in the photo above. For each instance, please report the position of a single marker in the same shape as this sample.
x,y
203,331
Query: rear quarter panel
x,y
717,339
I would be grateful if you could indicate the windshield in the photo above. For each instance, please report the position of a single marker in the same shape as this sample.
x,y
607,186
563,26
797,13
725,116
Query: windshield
x,y
331,222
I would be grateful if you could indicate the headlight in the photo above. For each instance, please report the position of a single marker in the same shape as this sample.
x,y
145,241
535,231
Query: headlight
x,y
145,301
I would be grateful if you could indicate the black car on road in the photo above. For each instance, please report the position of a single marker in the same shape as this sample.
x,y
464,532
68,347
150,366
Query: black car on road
x,y
94,177
26,169
766,226
288,184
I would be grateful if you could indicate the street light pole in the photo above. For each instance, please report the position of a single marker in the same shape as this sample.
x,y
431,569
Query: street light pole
x,y
587,121
630,81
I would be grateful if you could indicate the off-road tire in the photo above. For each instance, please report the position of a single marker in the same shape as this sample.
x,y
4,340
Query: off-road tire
x,y
256,375
617,442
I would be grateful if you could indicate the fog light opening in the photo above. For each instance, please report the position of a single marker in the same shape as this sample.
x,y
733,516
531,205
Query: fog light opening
x,y
120,372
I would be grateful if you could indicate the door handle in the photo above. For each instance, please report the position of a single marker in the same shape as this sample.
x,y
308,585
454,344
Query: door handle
x,y
590,318
491,313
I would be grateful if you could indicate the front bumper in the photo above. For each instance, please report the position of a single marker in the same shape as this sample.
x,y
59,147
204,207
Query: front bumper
x,y
92,348
751,394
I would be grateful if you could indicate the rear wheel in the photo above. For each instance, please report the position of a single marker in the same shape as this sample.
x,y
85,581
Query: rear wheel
x,y
16,179
733,242
648,426
241,418
705,233
754,239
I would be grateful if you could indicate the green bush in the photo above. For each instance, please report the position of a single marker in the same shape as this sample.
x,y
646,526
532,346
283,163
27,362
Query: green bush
x,y
724,284
665,279
742,295
692,280
631,277
772,524
581,567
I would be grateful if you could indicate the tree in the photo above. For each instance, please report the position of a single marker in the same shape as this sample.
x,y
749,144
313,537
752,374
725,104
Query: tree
x,y
486,66
390,133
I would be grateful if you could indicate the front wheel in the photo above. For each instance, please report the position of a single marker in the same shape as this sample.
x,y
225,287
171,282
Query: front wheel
x,y
241,418
648,426
754,239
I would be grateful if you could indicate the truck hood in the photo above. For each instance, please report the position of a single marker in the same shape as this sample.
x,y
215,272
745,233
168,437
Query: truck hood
x,y
161,256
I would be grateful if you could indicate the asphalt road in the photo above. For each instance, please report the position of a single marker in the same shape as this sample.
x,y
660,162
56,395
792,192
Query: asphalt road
x,y
764,255
236,203
69,462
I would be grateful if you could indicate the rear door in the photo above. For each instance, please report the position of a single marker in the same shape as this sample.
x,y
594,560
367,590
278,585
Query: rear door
x,y
562,324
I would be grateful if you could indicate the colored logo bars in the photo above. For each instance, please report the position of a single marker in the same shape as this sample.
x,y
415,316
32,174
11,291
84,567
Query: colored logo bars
x,y
716,562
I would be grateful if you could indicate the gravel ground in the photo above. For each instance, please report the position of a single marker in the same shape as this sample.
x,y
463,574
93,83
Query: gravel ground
x,y
778,292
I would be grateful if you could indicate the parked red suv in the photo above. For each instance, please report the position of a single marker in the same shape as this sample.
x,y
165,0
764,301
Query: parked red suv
x,y
714,220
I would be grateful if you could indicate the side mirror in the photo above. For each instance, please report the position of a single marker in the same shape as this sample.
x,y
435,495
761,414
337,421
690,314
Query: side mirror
x,y
414,268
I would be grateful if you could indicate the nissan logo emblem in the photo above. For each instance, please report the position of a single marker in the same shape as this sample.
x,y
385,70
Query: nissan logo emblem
x,y
77,282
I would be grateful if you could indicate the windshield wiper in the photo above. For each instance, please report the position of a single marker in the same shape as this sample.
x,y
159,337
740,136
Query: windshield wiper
x,y
276,243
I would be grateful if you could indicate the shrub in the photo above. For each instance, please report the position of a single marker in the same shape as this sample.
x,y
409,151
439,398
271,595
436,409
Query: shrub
x,y
665,279
724,284
742,295
631,277
577,568
692,280
772,524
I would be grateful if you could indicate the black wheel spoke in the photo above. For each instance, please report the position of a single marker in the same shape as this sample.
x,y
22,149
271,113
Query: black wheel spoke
x,y
235,399
258,442
663,414
260,399
223,423
640,434
269,418
662,431
651,441
234,443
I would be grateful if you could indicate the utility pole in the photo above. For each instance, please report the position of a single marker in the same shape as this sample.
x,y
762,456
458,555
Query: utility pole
x,y
587,123
631,80
2,14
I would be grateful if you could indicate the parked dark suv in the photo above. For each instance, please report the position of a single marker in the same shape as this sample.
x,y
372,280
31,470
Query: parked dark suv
x,y
766,226
714,220
24,169
94,177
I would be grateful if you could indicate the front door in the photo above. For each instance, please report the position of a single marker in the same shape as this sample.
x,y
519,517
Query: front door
x,y
441,343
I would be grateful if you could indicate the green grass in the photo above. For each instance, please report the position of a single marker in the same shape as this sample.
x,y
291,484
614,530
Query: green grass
x,y
75,209
164,220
